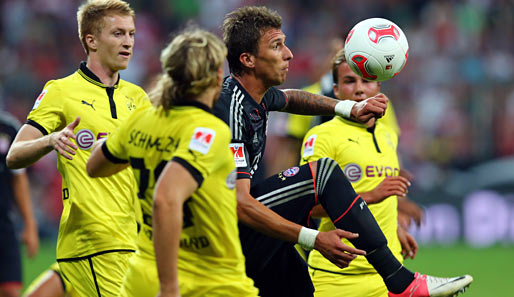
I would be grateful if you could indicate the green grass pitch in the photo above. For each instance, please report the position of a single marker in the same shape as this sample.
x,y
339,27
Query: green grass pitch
x,y
492,268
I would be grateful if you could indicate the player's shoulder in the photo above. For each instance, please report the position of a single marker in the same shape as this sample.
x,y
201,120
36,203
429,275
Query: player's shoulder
x,y
131,87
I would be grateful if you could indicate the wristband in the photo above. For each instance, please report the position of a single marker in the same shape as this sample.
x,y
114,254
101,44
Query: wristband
x,y
344,108
307,238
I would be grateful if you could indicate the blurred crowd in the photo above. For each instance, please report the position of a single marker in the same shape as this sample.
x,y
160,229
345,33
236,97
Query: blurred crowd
x,y
454,100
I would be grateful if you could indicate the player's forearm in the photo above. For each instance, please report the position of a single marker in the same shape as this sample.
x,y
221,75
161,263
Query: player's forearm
x,y
25,153
302,102
167,225
21,193
259,217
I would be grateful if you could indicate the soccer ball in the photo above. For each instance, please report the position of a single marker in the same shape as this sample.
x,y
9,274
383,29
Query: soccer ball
x,y
376,49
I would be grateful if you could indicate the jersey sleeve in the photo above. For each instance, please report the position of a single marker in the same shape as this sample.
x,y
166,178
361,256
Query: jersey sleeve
x,y
275,99
114,148
142,100
315,145
203,149
47,113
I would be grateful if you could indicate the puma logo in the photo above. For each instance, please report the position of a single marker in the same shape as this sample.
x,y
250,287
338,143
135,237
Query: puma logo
x,y
90,104
353,140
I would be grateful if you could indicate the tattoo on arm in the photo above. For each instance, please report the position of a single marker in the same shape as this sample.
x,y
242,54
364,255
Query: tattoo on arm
x,y
302,102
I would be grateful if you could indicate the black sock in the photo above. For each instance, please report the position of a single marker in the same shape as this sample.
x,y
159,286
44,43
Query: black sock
x,y
349,212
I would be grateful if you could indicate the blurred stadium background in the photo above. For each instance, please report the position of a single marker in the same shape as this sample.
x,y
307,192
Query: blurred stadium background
x,y
454,102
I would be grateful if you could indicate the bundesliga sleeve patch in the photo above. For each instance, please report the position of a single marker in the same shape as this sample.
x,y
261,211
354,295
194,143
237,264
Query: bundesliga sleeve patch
x,y
308,146
202,140
39,99
238,150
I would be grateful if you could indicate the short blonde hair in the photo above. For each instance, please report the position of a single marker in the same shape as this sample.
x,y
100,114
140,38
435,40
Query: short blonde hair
x,y
190,65
91,13
338,59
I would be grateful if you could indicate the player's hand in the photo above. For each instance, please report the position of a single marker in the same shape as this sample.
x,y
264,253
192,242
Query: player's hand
x,y
391,185
409,244
330,246
411,210
373,107
61,142
30,238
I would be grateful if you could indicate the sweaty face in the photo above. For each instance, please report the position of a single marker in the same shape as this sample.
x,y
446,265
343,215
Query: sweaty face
x,y
353,87
116,41
272,59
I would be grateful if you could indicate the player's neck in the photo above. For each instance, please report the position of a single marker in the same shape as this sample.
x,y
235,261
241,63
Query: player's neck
x,y
208,96
253,86
106,75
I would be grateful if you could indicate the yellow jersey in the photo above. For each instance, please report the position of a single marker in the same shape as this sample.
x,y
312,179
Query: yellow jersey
x,y
210,249
366,156
98,213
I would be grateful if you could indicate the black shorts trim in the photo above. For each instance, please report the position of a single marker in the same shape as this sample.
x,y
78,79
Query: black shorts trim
x,y
37,126
94,277
60,278
194,172
95,254
340,273
110,156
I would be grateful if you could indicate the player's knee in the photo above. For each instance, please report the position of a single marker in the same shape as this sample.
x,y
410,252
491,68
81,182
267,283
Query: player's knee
x,y
330,180
10,291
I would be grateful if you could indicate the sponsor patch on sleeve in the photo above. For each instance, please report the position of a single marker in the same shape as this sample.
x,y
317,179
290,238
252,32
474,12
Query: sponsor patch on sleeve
x,y
39,99
238,150
202,140
308,146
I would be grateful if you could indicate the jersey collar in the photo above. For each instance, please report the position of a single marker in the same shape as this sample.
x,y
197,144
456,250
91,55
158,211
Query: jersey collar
x,y
350,122
88,75
195,104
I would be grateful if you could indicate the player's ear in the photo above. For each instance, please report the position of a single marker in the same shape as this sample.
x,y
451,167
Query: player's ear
x,y
91,42
247,59
336,89
219,76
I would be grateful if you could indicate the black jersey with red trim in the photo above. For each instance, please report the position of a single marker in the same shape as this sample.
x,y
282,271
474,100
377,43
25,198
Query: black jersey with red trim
x,y
8,129
248,122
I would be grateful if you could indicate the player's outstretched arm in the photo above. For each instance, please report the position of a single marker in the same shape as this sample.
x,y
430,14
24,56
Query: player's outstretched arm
x,y
263,219
21,191
302,102
172,189
99,166
30,145
392,185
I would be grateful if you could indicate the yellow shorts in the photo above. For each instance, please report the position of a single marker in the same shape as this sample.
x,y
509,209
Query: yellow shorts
x,y
336,285
141,279
216,287
100,275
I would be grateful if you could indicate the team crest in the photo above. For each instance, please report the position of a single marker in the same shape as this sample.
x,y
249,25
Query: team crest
x,y
202,140
291,171
238,150
130,103
308,146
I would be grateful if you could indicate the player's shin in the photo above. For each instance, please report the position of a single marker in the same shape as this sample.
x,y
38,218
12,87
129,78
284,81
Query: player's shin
x,y
349,212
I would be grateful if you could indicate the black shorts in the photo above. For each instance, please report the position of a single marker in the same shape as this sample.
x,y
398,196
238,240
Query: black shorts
x,y
273,264
10,270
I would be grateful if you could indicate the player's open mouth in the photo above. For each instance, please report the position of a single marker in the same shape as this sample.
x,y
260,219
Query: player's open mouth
x,y
125,54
